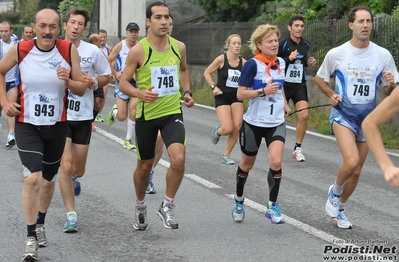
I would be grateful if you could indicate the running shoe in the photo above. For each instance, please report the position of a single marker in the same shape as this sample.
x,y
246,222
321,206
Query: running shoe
x,y
214,136
128,144
77,185
31,249
110,117
151,187
99,118
332,204
238,212
166,214
274,214
342,221
298,155
93,127
71,224
140,218
10,140
227,160
41,235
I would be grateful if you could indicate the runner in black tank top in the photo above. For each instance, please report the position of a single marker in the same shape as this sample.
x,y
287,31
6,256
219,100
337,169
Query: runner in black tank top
x,y
228,108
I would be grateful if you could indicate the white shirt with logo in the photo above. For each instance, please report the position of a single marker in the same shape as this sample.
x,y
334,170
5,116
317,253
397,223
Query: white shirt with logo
x,y
10,75
94,63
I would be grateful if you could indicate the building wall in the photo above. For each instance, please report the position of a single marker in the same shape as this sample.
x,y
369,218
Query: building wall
x,y
134,11
129,13
6,6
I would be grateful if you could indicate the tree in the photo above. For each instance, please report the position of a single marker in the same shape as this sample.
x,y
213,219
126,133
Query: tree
x,y
228,10
27,9
388,6
53,4
66,5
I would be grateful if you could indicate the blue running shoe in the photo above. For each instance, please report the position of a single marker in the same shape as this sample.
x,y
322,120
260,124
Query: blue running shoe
x,y
76,183
71,225
332,204
274,214
238,212
227,160
342,221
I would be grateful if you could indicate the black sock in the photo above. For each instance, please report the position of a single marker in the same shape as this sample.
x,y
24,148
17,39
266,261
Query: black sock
x,y
241,179
297,145
40,218
31,231
274,179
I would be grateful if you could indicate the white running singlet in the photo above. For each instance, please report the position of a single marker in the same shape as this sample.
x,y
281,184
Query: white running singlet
x,y
42,94
92,62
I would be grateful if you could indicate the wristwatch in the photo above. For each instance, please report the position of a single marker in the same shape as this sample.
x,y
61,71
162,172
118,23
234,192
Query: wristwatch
x,y
188,92
213,86
261,92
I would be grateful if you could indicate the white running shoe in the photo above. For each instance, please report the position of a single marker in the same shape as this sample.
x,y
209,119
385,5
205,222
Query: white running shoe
x,y
227,160
342,221
31,249
10,140
298,155
214,136
41,235
332,204
238,212
274,214
140,218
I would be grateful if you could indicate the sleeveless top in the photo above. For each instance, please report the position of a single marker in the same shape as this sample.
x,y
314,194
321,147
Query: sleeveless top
x,y
229,76
161,70
11,75
266,111
42,95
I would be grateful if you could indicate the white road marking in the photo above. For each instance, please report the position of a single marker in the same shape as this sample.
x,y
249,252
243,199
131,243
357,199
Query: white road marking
x,y
202,181
256,206
311,230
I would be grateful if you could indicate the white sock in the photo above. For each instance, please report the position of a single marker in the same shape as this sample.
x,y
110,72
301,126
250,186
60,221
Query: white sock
x,y
114,112
71,213
241,198
130,129
341,206
167,200
140,203
337,190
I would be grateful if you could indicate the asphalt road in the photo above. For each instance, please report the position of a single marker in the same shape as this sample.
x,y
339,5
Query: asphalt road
x,y
203,205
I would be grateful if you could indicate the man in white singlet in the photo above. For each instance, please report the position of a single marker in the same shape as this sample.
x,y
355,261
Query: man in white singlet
x,y
12,82
358,65
125,106
101,93
48,67
96,72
